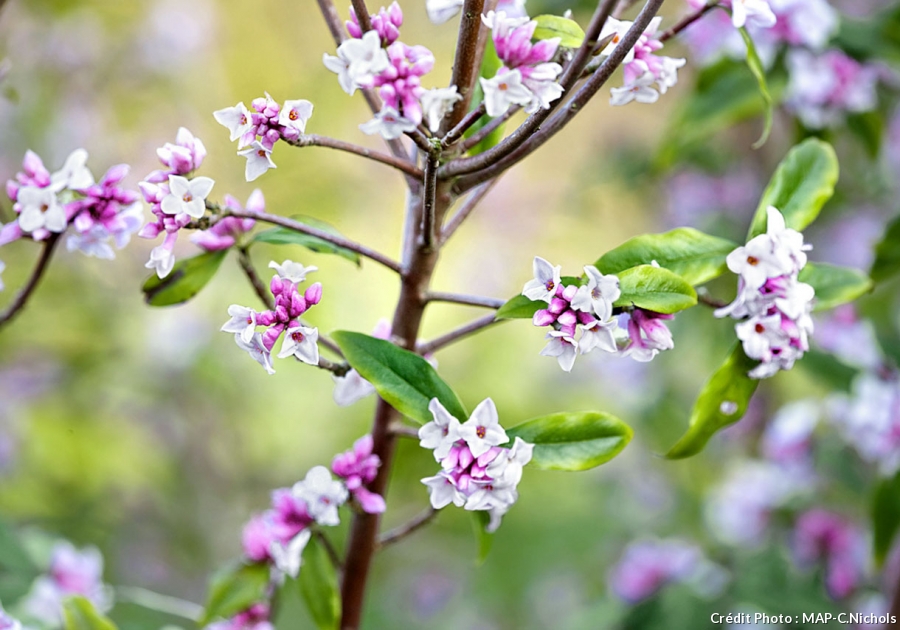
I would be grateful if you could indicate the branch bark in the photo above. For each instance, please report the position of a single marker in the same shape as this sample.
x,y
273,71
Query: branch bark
x,y
469,300
400,164
455,335
27,291
399,533
464,66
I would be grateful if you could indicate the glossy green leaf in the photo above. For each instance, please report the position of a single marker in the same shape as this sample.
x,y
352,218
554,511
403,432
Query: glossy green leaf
x,y
520,307
695,256
186,280
655,289
319,586
480,521
887,254
402,378
802,184
722,402
234,589
80,614
834,285
759,73
885,512
573,440
570,34
284,236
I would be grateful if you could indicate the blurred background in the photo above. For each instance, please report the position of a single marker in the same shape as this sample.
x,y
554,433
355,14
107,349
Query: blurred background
x,y
146,433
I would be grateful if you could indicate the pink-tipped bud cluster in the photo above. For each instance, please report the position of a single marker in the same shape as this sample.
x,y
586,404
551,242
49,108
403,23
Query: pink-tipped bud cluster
x,y
257,617
358,467
386,23
399,85
647,75
824,537
225,232
181,158
647,333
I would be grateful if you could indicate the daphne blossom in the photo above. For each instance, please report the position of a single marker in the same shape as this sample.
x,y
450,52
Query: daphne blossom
x,y
437,103
648,565
40,209
322,495
74,175
358,61
359,467
187,196
439,11
756,12
226,231
389,124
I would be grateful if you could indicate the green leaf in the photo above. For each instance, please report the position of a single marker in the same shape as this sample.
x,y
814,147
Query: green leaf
x,y
759,73
13,557
573,440
802,184
728,390
868,127
885,511
319,586
480,521
655,289
693,255
570,34
80,614
520,307
887,254
186,280
284,236
402,378
834,285
234,589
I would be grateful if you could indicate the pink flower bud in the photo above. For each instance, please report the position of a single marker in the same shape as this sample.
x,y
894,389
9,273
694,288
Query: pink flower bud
x,y
313,294
543,318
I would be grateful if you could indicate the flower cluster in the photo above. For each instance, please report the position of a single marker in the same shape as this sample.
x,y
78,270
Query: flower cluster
x,y
47,203
254,618
225,232
773,306
299,341
259,130
174,199
642,67
71,572
477,474
358,467
648,565
527,76
826,537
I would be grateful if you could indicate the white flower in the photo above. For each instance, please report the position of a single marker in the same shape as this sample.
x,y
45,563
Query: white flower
x,y
127,222
40,209
295,114
760,335
503,91
340,67
757,261
162,260
541,81
187,196
292,271
288,558
752,13
389,123
546,280
259,160
256,350
598,334
443,492
350,388
598,294
94,242
2,267
439,11
301,342
74,175
358,61
561,346
797,300
322,495
489,497
668,76
482,430
242,322
617,29
506,469
640,90
236,119
502,23
441,433
437,103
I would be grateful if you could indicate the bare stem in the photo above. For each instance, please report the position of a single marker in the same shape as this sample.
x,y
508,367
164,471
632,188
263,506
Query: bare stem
x,y
585,51
404,430
465,70
401,164
455,335
428,201
362,15
399,533
338,369
333,21
27,291
470,119
469,300
255,281
489,128
155,601
329,549
467,208
687,21
296,226
707,300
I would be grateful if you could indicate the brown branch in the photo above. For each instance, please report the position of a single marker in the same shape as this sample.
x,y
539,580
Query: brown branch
x,y
591,39
362,15
707,300
27,291
467,208
333,21
469,300
465,71
686,21
401,164
453,336
489,128
255,281
429,198
470,119
399,533
338,369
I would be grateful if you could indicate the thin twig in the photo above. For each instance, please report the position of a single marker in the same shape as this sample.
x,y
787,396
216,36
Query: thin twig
x,y
467,208
403,430
428,200
26,292
338,369
420,139
687,21
471,328
399,533
401,164
296,226
255,281
329,549
362,15
469,300
489,128
585,51
333,21
707,300
470,119
464,69
161,603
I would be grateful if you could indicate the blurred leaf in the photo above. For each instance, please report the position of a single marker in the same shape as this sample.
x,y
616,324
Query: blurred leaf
x,y
573,440
869,128
490,63
80,614
693,255
284,236
319,586
729,386
759,73
570,34
480,521
13,557
802,184
655,289
877,37
186,280
885,511
403,379
234,589
520,307
887,253
834,285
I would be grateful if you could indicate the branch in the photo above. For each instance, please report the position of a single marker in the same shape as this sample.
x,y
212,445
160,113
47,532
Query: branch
x,y
471,328
489,128
703,297
428,200
467,208
296,226
687,21
470,300
25,293
420,139
329,549
403,430
338,369
155,601
591,36
362,15
401,164
464,66
333,21
470,119
258,285
399,533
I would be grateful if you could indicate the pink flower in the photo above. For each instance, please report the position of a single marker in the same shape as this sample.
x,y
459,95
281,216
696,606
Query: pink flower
x,y
823,536
257,538
359,467
386,23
